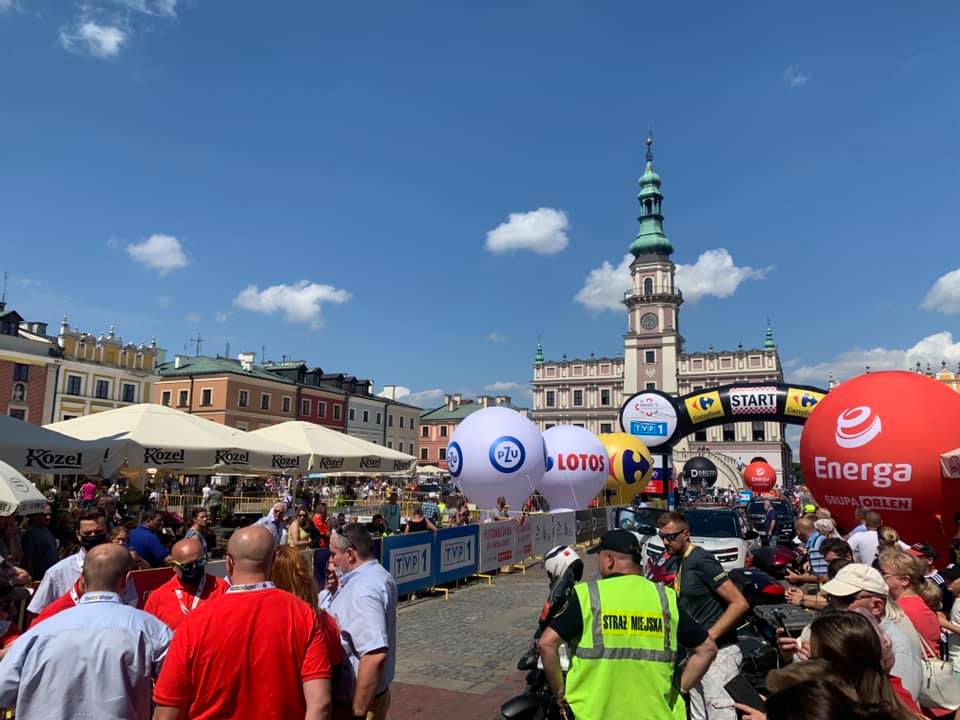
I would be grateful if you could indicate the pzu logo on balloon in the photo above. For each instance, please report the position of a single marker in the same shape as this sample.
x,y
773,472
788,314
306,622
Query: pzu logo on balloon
x,y
507,454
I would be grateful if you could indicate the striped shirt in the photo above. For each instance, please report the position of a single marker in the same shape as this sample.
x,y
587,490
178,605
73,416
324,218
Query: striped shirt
x,y
818,565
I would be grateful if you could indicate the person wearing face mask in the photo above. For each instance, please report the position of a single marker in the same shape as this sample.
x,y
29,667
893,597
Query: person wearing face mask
x,y
91,528
189,587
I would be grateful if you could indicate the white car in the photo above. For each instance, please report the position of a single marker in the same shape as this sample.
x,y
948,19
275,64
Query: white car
x,y
724,531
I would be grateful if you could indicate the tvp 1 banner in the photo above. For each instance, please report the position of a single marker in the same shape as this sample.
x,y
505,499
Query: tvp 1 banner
x,y
456,553
409,558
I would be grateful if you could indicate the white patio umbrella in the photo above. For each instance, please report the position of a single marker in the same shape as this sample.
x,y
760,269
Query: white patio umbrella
x,y
17,494
34,449
156,436
333,452
430,470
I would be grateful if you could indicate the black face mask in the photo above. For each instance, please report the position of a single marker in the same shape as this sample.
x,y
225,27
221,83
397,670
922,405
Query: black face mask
x,y
193,572
91,541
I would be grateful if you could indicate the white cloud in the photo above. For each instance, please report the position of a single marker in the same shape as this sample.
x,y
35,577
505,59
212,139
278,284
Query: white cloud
x,y
496,337
944,296
793,77
423,398
164,300
8,6
300,302
161,252
605,286
165,8
513,389
102,41
543,231
931,350
192,318
113,243
221,317
714,273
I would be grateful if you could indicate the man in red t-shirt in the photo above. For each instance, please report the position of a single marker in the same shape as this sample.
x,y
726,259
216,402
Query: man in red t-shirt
x,y
189,587
256,651
322,528
66,601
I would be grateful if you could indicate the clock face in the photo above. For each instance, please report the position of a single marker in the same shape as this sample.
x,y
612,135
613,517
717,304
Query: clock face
x,y
648,321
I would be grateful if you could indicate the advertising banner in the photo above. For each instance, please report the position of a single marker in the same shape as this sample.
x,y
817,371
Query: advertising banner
x,y
541,528
564,528
456,553
409,558
584,525
498,544
525,540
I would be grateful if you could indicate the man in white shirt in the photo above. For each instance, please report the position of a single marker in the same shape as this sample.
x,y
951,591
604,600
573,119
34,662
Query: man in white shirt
x,y
864,544
858,513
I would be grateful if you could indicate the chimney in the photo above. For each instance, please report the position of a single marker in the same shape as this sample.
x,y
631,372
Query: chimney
x,y
448,401
457,399
503,399
179,361
246,360
389,392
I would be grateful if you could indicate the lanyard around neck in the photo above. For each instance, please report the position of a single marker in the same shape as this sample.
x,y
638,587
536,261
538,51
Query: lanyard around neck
x,y
196,598
676,579
249,587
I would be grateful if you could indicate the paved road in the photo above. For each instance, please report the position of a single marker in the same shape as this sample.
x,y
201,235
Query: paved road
x,y
458,658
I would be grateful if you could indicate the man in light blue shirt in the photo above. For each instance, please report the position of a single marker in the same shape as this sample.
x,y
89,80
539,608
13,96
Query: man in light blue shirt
x,y
365,607
273,521
95,660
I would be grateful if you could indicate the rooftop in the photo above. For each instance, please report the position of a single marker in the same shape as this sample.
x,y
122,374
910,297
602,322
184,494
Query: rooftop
x,y
203,365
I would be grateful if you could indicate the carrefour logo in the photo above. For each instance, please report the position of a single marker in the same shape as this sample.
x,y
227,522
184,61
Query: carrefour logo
x,y
857,426
705,403
507,454
454,459
808,400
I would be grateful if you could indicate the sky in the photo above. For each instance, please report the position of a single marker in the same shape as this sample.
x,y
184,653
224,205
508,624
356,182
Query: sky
x,y
415,192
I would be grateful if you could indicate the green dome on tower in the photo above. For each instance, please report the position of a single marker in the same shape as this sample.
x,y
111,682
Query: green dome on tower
x,y
650,238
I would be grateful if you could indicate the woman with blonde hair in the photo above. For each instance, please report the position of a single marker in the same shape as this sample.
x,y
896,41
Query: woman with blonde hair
x,y
904,575
293,572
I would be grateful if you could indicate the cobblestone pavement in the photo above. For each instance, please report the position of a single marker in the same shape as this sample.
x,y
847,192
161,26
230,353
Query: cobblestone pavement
x,y
458,658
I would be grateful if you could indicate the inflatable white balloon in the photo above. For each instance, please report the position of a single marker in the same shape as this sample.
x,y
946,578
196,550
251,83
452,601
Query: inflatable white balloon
x,y
496,451
577,467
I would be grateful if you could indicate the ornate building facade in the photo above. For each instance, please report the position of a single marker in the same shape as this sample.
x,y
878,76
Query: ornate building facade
x,y
589,392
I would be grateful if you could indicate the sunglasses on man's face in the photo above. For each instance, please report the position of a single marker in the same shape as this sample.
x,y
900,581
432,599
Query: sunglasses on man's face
x,y
670,537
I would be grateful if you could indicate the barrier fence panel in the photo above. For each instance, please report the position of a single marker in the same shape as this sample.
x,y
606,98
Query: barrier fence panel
x,y
564,528
456,553
525,540
409,558
583,520
498,544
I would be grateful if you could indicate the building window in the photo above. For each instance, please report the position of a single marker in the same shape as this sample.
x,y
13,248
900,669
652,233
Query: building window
x,y
650,356
21,372
606,428
548,426
165,398
305,408
424,454
322,409
759,432
402,419
353,414
697,388
243,425
551,398
206,396
605,397
18,413
413,424
425,431
389,444
648,286
651,386
389,420
379,418
578,398
442,454
700,436
443,431
102,390
579,425
366,416
243,400
129,393
264,401
336,411
729,432
74,385
286,403
19,393
183,396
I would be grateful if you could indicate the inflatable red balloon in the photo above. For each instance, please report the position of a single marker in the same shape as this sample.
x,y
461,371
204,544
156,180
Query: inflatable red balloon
x,y
759,476
876,441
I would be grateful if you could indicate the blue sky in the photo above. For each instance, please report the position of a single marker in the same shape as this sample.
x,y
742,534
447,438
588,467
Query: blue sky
x,y
323,180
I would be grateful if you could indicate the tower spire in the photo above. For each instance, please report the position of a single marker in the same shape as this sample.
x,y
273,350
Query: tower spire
x,y
768,343
650,239
538,357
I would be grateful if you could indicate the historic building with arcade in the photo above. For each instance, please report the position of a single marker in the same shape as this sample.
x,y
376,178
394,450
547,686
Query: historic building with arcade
x,y
588,392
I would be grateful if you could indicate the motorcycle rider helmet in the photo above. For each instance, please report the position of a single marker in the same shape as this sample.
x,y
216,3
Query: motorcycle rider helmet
x,y
559,559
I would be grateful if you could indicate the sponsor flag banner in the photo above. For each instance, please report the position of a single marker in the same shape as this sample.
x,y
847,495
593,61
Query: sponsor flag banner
x,y
409,558
456,552
498,544
704,406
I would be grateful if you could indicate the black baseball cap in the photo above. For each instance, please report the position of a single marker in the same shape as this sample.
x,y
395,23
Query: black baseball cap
x,y
922,550
621,541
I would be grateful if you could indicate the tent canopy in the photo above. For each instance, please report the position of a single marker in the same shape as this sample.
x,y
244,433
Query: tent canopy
x,y
17,494
332,452
33,449
431,470
156,436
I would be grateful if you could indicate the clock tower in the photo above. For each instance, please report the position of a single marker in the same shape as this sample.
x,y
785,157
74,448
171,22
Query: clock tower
x,y
652,342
